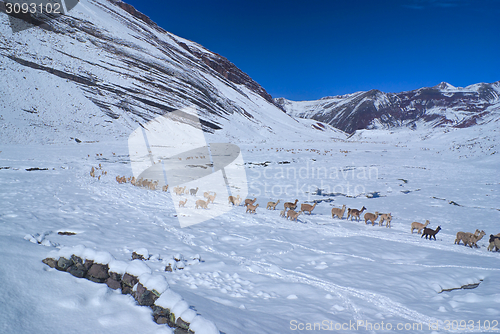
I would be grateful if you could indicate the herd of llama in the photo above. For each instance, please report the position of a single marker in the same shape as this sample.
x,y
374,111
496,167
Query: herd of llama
x,y
290,211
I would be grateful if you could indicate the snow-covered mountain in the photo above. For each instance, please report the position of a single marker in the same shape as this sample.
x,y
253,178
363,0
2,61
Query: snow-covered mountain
x,y
441,105
99,73
105,68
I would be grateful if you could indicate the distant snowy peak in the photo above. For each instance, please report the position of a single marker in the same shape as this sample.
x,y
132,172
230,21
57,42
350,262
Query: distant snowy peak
x,y
444,86
441,105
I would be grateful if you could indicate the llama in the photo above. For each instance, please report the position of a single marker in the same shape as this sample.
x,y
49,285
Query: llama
x,y
283,213
201,203
193,191
429,232
290,205
494,242
272,205
232,200
153,185
474,239
307,207
371,217
165,188
292,215
338,212
418,226
178,191
181,203
251,208
211,198
237,201
465,237
355,213
387,217
249,201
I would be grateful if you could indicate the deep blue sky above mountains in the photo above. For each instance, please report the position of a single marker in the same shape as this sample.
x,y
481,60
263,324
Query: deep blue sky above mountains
x,y
305,50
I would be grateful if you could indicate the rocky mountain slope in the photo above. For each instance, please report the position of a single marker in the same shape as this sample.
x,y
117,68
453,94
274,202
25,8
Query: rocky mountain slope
x,y
103,69
441,105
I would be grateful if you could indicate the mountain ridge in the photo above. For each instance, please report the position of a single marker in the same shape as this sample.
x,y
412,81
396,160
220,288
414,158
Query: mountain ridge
x,y
104,69
440,105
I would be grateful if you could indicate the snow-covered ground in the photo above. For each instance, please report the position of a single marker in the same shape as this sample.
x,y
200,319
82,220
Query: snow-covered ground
x,y
261,273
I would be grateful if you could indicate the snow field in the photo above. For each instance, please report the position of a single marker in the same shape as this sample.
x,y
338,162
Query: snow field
x,y
263,271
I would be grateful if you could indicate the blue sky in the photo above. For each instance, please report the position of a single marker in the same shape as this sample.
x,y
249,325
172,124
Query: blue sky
x,y
305,50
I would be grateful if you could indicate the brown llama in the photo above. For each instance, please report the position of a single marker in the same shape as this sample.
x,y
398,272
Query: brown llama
x,y
249,201
292,215
202,204
387,217
211,198
152,185
138,182
465,237
182,203
355,213
251,208
307,207
371,217
272,205
338,212
474,239
290,205
418,226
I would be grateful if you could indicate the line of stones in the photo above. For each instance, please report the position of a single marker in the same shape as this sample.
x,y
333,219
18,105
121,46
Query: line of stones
x,y
100,273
